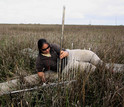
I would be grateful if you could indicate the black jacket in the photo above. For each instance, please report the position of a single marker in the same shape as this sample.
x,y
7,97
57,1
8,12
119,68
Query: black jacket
x,y
44,63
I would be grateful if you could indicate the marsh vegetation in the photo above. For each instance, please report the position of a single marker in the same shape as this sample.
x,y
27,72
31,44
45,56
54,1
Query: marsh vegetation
x,y
101,88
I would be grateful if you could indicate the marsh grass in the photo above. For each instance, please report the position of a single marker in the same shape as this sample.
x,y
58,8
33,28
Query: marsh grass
x,y
100,88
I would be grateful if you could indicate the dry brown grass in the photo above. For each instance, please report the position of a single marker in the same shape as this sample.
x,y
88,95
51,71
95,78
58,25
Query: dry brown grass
x,y
102,88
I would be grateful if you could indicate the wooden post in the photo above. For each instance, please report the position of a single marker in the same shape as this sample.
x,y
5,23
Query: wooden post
x,y
61,41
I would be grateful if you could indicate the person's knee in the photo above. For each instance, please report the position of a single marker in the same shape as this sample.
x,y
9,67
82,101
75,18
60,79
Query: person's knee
x,y
95,60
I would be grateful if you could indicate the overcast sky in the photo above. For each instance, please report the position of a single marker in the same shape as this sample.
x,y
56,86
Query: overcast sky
x,y
94,12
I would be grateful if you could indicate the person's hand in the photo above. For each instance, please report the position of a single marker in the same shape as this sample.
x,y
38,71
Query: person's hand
x,y
63,54
42,76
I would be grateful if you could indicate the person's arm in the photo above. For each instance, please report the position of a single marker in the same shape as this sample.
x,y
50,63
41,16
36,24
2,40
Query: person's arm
x,y
40,69
42,76
61,54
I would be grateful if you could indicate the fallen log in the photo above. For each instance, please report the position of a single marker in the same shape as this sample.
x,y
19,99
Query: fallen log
x,y
40,87
31,80
14,84
115,67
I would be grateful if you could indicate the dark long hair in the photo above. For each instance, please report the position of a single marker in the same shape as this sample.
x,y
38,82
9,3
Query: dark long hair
x,y
41,42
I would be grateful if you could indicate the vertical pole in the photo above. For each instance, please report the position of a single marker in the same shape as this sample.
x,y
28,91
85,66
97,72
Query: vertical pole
x,y
61,41
63,20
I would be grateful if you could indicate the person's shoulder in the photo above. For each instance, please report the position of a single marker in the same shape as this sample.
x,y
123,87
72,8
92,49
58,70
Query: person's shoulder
x,y
54,45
